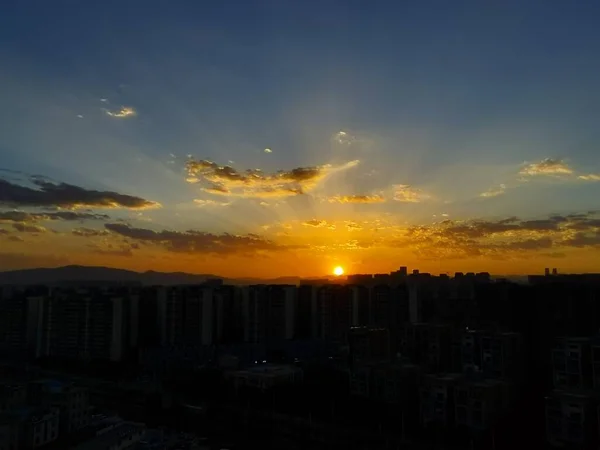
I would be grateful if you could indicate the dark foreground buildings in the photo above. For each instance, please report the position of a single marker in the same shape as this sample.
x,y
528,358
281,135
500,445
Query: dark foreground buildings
x,y
379,361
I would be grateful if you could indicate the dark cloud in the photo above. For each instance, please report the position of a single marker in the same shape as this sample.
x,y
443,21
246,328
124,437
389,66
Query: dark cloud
x,y
193,241
123,249
4,232
225,180
63,195
22,216
583,239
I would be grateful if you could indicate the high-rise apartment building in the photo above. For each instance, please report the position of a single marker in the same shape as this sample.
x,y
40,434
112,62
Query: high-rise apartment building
x,y
187,315
269,313
334,313
87,324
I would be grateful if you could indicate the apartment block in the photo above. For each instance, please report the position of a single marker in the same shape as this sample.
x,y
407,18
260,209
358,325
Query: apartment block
x,y
367,345
480,403
572,363
428,345
572,419
437,399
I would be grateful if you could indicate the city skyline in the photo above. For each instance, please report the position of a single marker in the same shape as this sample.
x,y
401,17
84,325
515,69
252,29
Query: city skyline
x,y
265,139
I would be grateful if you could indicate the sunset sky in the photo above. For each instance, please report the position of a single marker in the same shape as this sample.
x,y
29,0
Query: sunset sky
x,y
280,137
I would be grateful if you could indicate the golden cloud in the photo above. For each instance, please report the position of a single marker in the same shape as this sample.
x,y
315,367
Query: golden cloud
x,y
501,238
356,199
589,177
494,192
122,113
315,223
407,194
202,202
548,166
353,226
225,180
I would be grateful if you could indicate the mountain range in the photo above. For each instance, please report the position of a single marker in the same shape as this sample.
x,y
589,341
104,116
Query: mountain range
x,y
70,275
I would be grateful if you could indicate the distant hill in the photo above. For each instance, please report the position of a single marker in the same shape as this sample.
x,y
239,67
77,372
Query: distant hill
x,y
71,275
97,275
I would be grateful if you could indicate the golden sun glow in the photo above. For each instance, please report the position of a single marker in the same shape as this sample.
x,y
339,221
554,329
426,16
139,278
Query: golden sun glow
x,y
338,271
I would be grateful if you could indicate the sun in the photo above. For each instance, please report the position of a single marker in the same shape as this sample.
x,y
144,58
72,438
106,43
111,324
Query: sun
x,y
338,271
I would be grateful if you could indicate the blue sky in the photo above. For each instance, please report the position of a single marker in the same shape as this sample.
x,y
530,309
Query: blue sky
x,y
448,100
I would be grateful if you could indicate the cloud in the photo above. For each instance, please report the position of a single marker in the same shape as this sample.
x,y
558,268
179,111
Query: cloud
x,y
202,202
4,232
123,249
343,138
584,239
353,226
315,223
589,177
547,166
16,238
407,194
225,180
193,241
28,228
268,150
502,238
88,232
22,216
356,199
123,113
494,192
63,195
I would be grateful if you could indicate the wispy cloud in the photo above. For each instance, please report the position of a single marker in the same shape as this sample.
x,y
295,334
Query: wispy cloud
x,y
268,150
225,180
343,138
203,202
494,192
548,166
376,198
590,177
315,223
88,232
407,194
122,113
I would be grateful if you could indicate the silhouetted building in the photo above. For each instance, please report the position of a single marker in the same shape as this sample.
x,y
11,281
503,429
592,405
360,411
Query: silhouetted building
x,y
86,324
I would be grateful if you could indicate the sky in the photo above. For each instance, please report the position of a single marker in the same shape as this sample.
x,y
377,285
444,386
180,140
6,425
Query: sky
x,y
274,138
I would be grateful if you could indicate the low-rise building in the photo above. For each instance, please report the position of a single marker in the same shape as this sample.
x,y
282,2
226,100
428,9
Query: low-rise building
x,y
9,432
71,400
38,426
118,436
265,376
